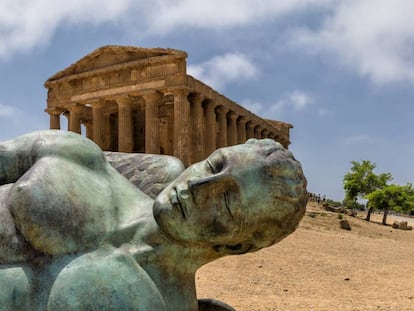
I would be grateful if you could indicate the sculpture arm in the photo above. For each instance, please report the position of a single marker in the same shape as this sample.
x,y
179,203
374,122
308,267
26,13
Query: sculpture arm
x,y
18,155
57,176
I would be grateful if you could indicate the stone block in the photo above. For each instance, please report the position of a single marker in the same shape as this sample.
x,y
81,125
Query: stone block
x,y
345,224
403,225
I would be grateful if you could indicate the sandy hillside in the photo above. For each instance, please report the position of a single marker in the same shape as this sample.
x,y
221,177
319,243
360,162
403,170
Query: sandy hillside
x,y
319,267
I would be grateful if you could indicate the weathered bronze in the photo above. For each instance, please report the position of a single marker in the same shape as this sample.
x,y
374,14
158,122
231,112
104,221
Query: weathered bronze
x,y
77,235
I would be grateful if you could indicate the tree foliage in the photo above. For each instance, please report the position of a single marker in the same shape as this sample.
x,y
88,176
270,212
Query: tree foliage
x,y
361,181
392,197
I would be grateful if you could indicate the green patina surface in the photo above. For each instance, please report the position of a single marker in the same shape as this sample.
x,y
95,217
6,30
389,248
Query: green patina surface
x,y
77,235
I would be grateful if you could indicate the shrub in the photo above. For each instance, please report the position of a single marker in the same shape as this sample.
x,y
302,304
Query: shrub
x,y
333,203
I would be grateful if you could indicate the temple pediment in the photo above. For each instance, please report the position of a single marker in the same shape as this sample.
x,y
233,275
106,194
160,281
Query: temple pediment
x,y
111,55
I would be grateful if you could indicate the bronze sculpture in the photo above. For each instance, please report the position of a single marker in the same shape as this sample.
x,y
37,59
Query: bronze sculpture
x,y
77,235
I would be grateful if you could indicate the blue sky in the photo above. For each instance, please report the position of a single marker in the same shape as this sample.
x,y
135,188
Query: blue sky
x,y
341,71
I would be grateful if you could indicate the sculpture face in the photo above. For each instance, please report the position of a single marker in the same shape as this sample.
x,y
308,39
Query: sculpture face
x,y
230,197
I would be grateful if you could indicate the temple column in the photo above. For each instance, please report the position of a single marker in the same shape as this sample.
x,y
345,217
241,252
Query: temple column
x,y
170,132
277,138
98,122
210,128
258,132
89,129
197,126
106,129
285,142
250,129
152,122
54,120
232,128
241,130
125,135
75,112
181,125
221,126
265,133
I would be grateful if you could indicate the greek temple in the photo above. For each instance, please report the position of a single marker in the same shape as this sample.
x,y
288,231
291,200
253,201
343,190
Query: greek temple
x,y
133,99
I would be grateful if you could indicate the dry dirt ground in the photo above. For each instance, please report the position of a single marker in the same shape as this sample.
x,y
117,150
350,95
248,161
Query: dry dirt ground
x,y
320,267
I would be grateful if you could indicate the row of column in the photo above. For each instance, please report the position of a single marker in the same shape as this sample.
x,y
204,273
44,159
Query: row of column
x,y
97,129
200,125
215,126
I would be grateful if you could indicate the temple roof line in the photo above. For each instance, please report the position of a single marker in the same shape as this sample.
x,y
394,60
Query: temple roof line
x,y
132,56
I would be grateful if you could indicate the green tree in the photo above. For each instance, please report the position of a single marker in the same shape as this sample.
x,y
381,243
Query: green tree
x,y
392,197
361,181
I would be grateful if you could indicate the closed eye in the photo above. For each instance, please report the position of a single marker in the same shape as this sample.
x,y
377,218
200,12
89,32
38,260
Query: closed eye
x,y
216,162
211,167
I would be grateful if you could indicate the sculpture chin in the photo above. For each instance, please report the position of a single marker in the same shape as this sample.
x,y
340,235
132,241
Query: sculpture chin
x,y
164,215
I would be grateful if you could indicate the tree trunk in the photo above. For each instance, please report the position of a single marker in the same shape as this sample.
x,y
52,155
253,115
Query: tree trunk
x,y
368,218
384,219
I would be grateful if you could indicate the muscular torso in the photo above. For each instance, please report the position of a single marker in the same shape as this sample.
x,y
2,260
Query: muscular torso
x,y
65,196
63,212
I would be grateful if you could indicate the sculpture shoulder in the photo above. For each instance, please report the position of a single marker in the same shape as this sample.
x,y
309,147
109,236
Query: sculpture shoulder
x,y
151,173
111,278
71,146
18,155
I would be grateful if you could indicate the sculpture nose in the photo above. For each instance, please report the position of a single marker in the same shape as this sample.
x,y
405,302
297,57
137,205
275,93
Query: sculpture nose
x,y
184,194
174,199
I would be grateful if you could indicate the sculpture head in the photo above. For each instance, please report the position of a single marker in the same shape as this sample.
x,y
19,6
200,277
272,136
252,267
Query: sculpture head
x,y
241,198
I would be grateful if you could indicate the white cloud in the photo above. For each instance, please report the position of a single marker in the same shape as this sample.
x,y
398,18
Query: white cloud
x,y
299,100
215,14
373,37
295,100
324,112
277,109
253,106
16,119
223,69
362,140
7,111
27,24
